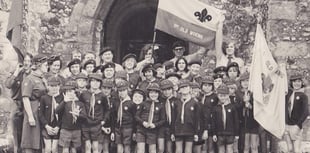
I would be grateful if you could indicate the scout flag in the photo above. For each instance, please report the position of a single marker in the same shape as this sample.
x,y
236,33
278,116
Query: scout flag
x,y
268,87
190,20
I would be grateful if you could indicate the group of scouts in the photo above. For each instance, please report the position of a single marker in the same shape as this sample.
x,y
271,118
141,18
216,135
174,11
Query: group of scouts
x,y
141,106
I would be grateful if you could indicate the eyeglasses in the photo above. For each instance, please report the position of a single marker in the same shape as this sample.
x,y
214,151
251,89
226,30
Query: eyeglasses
x,y
179,49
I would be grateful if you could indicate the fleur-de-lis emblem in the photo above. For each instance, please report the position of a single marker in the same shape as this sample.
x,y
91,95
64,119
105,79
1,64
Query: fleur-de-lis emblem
x,y
203,15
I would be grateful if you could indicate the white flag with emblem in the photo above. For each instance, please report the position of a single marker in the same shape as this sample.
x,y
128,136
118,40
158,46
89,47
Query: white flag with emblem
x,y
268,87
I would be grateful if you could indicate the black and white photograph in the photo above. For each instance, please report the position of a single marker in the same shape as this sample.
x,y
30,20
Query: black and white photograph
x,y
154,76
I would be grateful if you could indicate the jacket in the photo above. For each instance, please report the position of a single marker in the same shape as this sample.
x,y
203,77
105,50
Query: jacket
x,y
45,111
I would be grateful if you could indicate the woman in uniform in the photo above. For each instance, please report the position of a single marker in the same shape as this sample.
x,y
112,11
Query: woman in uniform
x,y
33,88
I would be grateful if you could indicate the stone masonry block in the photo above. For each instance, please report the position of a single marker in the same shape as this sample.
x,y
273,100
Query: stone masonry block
x,y
282,10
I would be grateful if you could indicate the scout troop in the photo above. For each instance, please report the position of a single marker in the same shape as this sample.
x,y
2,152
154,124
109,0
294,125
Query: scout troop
x,y
180,110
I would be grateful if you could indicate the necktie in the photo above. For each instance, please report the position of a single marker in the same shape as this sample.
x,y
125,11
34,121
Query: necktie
x,y
229,59
120,113
183,111
291,103
92,106
168,110
224,116
53,108
151,114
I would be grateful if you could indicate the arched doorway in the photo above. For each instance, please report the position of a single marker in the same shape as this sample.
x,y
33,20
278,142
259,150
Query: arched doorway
x,y
130,25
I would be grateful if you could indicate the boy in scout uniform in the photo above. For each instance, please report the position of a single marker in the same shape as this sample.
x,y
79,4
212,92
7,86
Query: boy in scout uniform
x,y
185,124
296,113
97,110
169,101
123,112
225,122
209,100
150,117
73,115
149,73
49,120
82,83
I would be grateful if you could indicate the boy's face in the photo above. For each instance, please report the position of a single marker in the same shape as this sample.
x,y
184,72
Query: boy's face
x,y
106,91
81,83
195,92
217,82
107,56
167,92
153,95
53,89
185,90
137,98
232,89
109,72
71,94
75,69
77,55
207,87
89,56
297,84
160,72
223,98
89,68
194,68
123,93
148,74
130,63
245,84
94,84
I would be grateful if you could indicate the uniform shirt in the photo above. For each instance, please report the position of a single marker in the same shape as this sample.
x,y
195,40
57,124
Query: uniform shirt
x,y
45,110
247,120
129,111
223,61
15,82
134,79
299,111
143,112
101,108
61,78
191,114
208,103
64,109
33,86
232,121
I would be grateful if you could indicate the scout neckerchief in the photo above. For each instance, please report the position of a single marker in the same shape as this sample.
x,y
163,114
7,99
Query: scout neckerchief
x,y
204,97
224,113
168,109
291,100
92,103
120,110
184,101
151,113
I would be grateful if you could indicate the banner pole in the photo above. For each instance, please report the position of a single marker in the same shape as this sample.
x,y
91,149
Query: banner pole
x,y
154,39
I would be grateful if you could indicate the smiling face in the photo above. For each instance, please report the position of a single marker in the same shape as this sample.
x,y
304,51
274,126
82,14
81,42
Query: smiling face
x,y
195,68
109,72
153,95
223,98
130,63
55,67
181,65
207,87
89,68
44,67
107,56
297,84
75,69
106,91
232,72
217,82
245,84
95,84
149,74
137,98
178,51
27,61
230,50
53,89
149,54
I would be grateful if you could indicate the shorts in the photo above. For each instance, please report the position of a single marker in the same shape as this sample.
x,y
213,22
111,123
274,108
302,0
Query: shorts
x,y
200,141
167,133
69,138
146,136
184,138
294,132
104,138
161,132
45,135
225,140
91,133
123,136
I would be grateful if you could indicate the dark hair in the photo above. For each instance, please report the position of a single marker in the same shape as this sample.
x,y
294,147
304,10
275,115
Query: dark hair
x,y
302,84
144,51
238,70
225,46
74,64
51,63
212,84
176,64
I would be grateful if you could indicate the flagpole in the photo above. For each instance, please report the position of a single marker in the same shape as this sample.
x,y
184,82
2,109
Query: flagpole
x,y
153,41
